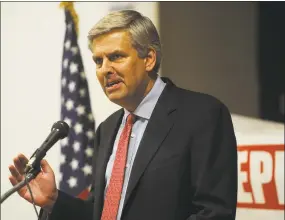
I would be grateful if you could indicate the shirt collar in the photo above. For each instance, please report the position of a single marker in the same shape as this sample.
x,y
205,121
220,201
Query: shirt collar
x,y
146,107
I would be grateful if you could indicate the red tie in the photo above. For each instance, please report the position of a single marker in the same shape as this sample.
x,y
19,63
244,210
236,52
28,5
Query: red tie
x,y
114,190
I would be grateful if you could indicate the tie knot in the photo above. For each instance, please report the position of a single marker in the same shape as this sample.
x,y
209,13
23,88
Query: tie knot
x,y
131,119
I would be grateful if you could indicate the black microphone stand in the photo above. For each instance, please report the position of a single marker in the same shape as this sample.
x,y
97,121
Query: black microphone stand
x,y
59,130
28,177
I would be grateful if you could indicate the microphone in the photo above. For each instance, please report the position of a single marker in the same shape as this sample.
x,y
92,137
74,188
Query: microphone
x,y
59,130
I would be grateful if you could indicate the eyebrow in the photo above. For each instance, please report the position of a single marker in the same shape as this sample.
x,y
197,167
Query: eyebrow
x,y
113,52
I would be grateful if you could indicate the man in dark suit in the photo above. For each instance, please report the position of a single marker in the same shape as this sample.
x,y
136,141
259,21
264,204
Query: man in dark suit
x,y
168,154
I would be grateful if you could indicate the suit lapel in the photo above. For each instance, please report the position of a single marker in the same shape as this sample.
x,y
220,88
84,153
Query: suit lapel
x,y
158,127
106,146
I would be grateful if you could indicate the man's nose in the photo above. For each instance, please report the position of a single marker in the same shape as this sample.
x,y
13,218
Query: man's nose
x,y
107,67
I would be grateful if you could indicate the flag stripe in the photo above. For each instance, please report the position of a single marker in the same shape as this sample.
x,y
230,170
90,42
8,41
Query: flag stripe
x,y
77,148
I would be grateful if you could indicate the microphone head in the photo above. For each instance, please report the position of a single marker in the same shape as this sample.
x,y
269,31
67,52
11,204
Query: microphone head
x,y
62,128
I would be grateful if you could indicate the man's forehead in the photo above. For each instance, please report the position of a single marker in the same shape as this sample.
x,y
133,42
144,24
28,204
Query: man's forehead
x,y
114,39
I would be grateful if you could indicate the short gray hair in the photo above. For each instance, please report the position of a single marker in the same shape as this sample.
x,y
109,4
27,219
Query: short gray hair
x,y
143,32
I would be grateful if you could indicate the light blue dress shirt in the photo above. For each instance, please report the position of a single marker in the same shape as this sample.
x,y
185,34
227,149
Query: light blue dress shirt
x,y
143,113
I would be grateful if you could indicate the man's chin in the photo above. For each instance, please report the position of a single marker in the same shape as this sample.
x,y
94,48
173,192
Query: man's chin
x,y
116,98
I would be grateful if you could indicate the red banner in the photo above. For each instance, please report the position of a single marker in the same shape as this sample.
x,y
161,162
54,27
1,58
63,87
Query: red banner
x,y
261,176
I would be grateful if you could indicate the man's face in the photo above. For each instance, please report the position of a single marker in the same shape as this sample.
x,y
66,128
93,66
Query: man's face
x,y
121,73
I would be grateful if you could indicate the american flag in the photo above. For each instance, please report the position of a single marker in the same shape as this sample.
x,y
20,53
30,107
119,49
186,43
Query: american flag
x,y
77,148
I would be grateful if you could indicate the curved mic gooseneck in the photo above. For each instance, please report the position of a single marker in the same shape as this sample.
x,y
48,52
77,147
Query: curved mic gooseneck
x,y
59,131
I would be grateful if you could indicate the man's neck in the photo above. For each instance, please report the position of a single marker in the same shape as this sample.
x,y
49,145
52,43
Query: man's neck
x,y
132,104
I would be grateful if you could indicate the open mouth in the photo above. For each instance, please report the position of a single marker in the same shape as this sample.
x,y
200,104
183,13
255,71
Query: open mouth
x,y
113,83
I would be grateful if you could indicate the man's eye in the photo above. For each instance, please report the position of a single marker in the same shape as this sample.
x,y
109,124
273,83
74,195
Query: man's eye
x,y
114,57
98,61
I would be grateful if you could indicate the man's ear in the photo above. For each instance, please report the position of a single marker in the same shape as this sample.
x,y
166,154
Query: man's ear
x,y
150,60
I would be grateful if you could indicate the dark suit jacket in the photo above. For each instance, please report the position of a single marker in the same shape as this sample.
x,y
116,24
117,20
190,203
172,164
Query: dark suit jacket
x,y
185,167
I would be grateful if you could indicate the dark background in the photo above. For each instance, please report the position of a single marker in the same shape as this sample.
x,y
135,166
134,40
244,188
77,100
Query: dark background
x,y
232,50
